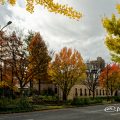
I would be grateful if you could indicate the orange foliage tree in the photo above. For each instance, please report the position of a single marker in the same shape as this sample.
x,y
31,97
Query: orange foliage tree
x,y
110,78
17,61
38,58
67,69
14,62
7,53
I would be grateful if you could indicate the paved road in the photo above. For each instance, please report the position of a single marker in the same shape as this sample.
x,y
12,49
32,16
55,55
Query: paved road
x,y
81,113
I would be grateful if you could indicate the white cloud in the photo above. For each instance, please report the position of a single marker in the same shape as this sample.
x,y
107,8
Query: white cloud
x,y
58,31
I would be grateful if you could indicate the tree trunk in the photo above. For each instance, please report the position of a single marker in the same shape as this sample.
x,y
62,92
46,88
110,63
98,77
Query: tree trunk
x,y
39,86
93,94
64,96
12,92
111,92
21,89
108,94
31,87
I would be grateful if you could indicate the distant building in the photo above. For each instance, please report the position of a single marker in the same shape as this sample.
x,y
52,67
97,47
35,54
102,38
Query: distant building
x,y
98,64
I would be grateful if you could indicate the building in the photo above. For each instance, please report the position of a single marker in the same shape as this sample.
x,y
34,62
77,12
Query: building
x,y
81,89
94,68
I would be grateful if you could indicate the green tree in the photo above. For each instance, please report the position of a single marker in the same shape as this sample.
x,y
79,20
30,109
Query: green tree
x,y
112,40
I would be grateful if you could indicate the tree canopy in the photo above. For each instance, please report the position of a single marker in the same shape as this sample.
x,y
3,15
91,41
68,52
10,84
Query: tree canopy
x,y
110,77
50,5
112,40
39,58
67,69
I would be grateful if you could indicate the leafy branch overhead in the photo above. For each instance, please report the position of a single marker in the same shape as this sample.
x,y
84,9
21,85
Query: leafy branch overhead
x,y
51,6
112,40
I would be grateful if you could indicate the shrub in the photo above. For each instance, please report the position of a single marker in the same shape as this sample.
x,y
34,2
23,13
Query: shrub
x,y
86,101
7,104
97,100
4,102
16,105
24,104
117,98
44,99
79,101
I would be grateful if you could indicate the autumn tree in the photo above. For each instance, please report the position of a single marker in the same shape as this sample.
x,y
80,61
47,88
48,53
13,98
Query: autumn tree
x,y
112,40
50,5
27,40
17,60
39,59
110,78
7,73
3,53
91,81
17,63
66,69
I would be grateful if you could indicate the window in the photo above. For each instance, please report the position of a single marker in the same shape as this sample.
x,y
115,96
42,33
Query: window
x,y
76,94
85,92
56,90
106,92
96,92
80,91
103,92
89,92
100,92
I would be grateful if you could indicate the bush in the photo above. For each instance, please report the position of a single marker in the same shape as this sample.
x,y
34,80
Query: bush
x,y
7,104
68,102
44,99
4,102
117,98
16,105
86,101
80,101
97,100
24,104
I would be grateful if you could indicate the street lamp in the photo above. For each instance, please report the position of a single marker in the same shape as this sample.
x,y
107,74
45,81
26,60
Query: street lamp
x,y
8,23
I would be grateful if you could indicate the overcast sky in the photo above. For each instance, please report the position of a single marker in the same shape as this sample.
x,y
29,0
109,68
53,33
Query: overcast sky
x,y
86,35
